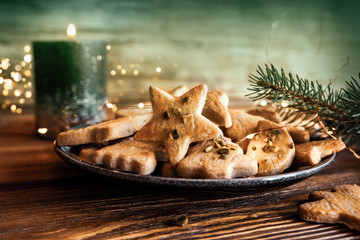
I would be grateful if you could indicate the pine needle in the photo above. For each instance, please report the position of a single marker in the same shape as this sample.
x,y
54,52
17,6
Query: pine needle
x,y
338,111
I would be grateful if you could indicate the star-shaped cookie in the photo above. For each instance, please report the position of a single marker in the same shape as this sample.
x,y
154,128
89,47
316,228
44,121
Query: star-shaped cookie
x,y
177,121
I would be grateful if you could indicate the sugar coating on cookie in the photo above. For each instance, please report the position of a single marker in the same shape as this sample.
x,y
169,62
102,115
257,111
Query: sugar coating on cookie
x,y
177,121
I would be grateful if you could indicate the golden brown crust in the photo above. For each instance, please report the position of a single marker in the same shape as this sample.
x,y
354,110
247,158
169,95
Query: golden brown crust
x,y
105,131
299,134
312,152
216,159
130,155
87,154
272,147
216,110
341,205
166,170
266,113
243,124
177,121
77,136
179,90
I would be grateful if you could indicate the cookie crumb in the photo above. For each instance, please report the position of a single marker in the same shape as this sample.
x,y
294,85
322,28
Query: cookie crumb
x,y
181,221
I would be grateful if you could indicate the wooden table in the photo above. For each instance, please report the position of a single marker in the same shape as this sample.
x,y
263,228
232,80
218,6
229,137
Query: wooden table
x,y
42,197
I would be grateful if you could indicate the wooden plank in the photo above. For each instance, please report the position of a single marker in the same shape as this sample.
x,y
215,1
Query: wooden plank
x,y
41,197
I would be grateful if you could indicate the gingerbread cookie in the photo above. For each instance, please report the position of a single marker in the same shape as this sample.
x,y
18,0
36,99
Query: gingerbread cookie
x,y
87,154
166,170
105,131
243,124
216,110
298,134
272,147
177,121
341,205
131,155
216,158
266,113
311,153
178,91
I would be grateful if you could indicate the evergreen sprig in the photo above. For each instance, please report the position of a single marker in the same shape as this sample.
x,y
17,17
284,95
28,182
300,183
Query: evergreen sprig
x,y
309,102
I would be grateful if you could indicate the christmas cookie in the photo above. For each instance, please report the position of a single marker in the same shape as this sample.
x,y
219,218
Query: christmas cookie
x,y
177,121
178,91
243,124
216,158
266,113
166,170
216,110
341,205
129,155
312,152
105,131
298,134
87,154
272,147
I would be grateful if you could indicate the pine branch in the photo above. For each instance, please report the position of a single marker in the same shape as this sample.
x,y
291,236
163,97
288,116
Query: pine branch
x,y
309,101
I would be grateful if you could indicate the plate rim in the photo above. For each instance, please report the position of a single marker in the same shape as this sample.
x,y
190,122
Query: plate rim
x,y
287,178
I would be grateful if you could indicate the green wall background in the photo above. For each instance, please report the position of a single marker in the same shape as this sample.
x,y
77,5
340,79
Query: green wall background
x,y
218,42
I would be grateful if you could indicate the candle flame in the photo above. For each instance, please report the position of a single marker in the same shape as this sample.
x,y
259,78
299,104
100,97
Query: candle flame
x,y
71,31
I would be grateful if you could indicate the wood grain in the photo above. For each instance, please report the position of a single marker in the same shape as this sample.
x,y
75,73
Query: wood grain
x,y
41,197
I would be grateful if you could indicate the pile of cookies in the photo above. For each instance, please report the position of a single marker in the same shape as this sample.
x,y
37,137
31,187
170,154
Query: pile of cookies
x,y
193,134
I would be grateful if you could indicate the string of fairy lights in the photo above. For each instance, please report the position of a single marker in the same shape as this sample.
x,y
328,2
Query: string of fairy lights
x,y
16,82
16,79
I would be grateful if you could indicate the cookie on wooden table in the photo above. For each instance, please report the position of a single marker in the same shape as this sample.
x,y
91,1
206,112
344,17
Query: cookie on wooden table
x,y
341,205
177,121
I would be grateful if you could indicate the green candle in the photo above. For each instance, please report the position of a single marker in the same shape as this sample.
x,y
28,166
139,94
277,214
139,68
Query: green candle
x,y
70,84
